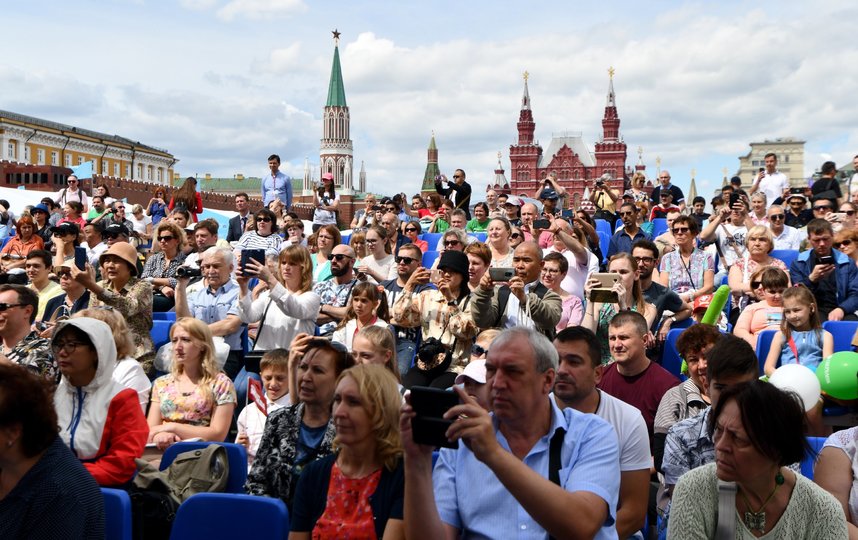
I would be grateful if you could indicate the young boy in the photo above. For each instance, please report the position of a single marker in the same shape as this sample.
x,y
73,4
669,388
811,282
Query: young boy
x,y
274,370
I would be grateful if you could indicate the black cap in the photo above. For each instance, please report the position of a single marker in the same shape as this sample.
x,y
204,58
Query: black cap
x,y
455,261
116,229
66,227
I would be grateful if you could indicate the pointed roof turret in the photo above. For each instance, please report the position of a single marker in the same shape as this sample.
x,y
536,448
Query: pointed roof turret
x,y
525,97
336,89
612,100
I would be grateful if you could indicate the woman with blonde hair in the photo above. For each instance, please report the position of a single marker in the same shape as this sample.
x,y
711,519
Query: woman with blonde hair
x,y
288,307
195,399
357,241
845,241
188,197
160,268
128,371
366,473
759,243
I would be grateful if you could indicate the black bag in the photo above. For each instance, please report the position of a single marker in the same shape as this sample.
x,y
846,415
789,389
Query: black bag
x,y
152,514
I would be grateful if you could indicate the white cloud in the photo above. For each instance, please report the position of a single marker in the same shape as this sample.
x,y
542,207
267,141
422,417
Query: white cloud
x,y
198,5
285,60
260,9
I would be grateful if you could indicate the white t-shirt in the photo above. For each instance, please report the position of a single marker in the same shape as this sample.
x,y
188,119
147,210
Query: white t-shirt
x,y
576,276
631,432
325,217
252,422
129,373
790,238
140,225
773,185
730,240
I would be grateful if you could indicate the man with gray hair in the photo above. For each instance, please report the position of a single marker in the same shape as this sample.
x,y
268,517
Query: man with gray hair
x,y
216,304
523,466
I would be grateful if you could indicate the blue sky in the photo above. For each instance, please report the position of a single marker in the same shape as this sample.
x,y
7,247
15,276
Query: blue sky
x,y
223,83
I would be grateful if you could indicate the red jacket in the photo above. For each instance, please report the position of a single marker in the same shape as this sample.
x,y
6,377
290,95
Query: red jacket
x,y
123,439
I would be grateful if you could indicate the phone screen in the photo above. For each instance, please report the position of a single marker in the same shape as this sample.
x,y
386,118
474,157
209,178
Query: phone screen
x,y
429,425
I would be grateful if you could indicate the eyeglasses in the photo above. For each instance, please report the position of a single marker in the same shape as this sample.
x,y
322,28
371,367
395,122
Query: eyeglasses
x,y
515,235
756,285
339,256
842,243
680,230
263,220
478,350
448,243
411,230
823,207
404,260
776,217
165,238
120,208
69,347
4,307
648,260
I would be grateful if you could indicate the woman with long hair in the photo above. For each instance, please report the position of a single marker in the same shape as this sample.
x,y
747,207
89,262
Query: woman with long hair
x,y
376,345
378,263
157,207
327,237
73,213
160,268
188,197
357,241
287,307
195,399
598,315
359,491
327,203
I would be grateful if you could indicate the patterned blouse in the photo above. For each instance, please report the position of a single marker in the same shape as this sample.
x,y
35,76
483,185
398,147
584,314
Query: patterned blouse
x,y
348,514
193,408
154,267
134,302
34,353
682,278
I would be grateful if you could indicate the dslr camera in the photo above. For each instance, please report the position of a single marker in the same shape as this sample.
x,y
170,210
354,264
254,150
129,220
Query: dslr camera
x,y
188,272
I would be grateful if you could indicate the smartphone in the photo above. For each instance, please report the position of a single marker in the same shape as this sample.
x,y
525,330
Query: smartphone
x,y
257,255
567,213
827,259
796,191
501,274
606,279
734,198
429,425
541,224
839,216
603,292
80,257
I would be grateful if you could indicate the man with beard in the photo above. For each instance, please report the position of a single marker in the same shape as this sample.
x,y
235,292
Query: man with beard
x,y
578,373
408,260
334,293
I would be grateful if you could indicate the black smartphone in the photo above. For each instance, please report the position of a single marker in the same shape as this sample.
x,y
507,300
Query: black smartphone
x,y
80,257
568,213
734,198
826,259
541,224
257,255
429,425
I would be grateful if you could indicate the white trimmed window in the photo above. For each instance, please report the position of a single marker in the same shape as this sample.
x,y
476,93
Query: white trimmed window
x,y
116,169
41,157
68,160
55,158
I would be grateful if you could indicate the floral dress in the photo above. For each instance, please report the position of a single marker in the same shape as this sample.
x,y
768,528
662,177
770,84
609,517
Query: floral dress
x,y
193,408
348,513
682,278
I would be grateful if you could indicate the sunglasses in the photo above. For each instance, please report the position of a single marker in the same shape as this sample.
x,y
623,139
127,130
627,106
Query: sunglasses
x,y
680,230
390,210
338,257
114,236
756,285
451,243
165,238
623,214
842,243
406,260
776,217
478,350
823,207
515,235
411,230
263,220
4,306
63,274
120,208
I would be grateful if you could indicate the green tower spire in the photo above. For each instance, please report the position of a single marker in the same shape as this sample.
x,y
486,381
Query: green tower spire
x,y
336,90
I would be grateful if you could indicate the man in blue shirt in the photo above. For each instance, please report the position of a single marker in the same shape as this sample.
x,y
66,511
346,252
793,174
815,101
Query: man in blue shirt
x,y
623,239
665,185
276,185
498,482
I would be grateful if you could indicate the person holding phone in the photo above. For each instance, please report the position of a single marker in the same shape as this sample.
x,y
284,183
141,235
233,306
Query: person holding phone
x,y
157,207
770,181
21,244
830,275
265,236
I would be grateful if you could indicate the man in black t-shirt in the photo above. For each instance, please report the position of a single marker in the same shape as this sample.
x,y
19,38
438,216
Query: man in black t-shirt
x,y
645,254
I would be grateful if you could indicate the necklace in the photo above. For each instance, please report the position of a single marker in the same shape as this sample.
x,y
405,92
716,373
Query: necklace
x,y
757,520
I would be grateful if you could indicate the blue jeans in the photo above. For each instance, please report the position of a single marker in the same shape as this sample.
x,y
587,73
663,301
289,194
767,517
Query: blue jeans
x,y
405,349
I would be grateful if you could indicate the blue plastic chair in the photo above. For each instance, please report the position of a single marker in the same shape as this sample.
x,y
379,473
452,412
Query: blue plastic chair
x,y
431,239
429,258
236,454
786,255
809,461
160,332
682,325
4,242
604,243
670,359
163,315
764,343
842,331
227,516
659,226
603,226
480,236
117,514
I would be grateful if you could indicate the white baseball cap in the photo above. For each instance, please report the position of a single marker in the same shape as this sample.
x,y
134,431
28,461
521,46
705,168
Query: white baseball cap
x,y
475,370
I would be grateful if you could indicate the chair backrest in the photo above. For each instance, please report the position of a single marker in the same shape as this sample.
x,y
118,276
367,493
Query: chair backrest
x,y
603,226
786,255
659,226
842,332
480,236
117,514
160,332
429,258
683,324
431,238
227,516
604,244
810,457
236,454
344,239
670,359
764,343
163,315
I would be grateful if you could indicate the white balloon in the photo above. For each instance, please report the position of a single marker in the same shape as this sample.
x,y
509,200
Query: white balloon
x,y
799,379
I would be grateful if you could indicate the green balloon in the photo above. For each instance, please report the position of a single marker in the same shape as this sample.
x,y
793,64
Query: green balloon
x,y
838,375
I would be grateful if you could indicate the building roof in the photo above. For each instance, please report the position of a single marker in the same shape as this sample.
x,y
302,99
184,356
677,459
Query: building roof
x,y
575,143
336,90
57,126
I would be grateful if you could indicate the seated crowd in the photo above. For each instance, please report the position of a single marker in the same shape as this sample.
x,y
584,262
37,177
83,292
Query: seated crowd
x,y
562,399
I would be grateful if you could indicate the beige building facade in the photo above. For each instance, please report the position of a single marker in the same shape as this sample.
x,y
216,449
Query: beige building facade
x,y
790,154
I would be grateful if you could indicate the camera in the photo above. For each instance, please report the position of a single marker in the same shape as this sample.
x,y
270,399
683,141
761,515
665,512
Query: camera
x,y
600,183
13,278
188,272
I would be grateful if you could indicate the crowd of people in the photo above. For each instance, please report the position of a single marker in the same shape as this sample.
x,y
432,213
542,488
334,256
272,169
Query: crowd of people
x,y
556,366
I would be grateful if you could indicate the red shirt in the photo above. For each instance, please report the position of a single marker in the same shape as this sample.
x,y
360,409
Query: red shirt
x,y
643,391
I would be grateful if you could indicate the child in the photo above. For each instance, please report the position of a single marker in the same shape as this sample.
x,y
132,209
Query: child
x,y
376,345
367,307
768,284
802,339
274,370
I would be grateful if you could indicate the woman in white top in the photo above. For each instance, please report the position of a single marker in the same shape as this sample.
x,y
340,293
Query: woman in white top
x,y
499,232
289,306
327,203
142,224
265,236
378,263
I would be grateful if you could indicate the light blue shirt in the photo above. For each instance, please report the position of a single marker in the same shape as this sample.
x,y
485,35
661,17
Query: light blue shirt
x,y
471,498
213,306
279,186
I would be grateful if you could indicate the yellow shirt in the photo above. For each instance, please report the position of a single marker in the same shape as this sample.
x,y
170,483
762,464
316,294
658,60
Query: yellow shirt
x,y
51,290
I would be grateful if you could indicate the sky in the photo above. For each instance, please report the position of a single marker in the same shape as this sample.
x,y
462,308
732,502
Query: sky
x,y
224,83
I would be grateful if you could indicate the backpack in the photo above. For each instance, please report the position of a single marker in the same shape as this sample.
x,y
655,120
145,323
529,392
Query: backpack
x,y
156,495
